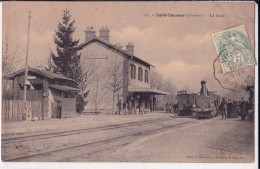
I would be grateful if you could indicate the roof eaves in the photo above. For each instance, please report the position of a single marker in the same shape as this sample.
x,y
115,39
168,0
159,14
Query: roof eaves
x,y
43,73
113,47
65,88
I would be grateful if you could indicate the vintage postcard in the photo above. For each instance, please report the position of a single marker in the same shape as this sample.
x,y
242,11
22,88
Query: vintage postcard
x,y
129,84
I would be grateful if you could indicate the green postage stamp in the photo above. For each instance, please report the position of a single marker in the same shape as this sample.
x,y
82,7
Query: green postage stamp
x,y
234,49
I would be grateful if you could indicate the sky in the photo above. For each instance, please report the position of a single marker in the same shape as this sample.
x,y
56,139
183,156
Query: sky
x,y
180,48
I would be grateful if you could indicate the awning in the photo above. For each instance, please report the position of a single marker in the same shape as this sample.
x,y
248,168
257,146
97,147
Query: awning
x,y
147,90
65,88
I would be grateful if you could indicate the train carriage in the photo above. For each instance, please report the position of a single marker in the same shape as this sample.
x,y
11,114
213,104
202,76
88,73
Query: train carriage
x,y
185,102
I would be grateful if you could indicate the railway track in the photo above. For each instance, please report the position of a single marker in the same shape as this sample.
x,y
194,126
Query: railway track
x,y
94,147
78,131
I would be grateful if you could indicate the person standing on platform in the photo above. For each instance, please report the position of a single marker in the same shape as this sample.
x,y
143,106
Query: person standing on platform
x,y
119,106
129,107
243,109
224,108
154,102
250,110
176,108
229,109
235,109
125,111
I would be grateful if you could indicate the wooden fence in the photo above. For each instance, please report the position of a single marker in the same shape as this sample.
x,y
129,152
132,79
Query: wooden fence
x,y
12,110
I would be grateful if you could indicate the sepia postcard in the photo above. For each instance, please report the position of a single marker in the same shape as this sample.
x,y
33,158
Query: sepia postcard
x,y
129,84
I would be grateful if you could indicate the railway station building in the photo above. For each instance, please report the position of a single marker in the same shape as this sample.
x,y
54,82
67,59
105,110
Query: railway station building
x,y
118,75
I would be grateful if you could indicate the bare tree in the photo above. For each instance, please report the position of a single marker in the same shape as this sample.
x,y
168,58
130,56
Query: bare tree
x,y
49,66
113,80
100,97
169,87
89,69
11,59
156,81
11,55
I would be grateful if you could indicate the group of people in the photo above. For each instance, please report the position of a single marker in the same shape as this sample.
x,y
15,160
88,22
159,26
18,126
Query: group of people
x,y
236,108
171,107
126,108
121,106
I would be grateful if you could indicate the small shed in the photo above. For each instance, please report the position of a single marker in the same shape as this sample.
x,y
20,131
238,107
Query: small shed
x,y
56,93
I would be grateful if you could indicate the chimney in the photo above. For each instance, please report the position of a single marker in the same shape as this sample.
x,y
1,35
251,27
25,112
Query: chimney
x,y
130,48
90,34
119,46
104,33
203,89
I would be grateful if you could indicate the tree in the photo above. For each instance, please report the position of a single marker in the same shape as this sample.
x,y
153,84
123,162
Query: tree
x,y
171,89
11,59
157,82
67,60
113,80
89,70
100,97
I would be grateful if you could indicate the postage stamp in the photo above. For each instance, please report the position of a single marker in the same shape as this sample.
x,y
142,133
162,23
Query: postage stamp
x,y
234,49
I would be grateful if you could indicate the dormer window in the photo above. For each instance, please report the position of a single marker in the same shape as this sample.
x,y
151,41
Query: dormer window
x,y
133,71
140,74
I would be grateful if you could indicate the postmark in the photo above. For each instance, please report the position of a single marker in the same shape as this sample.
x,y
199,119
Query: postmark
x,y
234,49
235,81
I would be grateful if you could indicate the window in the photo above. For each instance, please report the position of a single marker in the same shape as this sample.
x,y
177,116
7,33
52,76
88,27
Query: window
x,y
140,74
133,71
146,76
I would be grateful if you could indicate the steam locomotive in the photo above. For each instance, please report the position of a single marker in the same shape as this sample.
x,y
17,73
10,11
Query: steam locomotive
x,y
204,105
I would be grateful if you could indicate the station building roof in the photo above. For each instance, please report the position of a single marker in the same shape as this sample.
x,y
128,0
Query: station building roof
x,y
113,47
44,73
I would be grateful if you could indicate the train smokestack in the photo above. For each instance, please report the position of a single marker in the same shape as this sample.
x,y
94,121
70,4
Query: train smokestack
x,y
203,89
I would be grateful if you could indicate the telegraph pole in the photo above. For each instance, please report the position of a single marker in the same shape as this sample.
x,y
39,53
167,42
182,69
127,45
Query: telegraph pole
x,y
26,65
